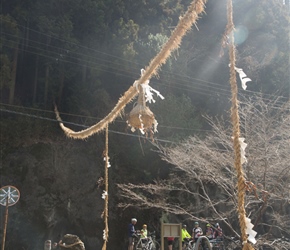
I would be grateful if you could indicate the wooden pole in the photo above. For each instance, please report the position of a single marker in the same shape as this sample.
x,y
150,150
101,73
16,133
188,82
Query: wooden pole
x,y
5,224
106,209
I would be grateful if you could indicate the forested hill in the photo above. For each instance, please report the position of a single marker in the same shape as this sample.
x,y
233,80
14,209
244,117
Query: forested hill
x,y
82,55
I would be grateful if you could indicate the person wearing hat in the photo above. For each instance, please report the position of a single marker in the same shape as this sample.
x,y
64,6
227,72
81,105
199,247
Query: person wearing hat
x,y
144,231
184,235
209,231
131,232
218,232
170,242
196,231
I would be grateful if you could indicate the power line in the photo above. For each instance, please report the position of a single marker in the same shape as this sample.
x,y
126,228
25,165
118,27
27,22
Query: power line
x,y
72,123
103,60
188,88
66,41
79,116
201,90
84,126
59,48
48,48
111,131
120,58
193,88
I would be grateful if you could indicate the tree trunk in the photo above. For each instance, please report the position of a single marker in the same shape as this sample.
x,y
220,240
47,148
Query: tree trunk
x,y
46,83
13,81
35,79
61,85
84,73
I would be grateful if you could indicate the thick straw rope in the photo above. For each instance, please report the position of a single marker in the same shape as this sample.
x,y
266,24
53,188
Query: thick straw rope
x,y
236,129
183,26
106,211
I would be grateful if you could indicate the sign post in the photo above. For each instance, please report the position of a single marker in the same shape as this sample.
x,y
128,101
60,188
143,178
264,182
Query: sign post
x,y
170,230
9,196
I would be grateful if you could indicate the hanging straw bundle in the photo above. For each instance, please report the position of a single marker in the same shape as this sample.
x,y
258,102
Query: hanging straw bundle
x,y
141,117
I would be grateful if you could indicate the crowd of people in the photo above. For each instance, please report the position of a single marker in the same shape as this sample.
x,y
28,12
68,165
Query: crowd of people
x,y
211,232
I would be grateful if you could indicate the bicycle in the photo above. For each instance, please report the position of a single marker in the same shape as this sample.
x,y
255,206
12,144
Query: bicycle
x,y
217,244
148,243
202,244
189,244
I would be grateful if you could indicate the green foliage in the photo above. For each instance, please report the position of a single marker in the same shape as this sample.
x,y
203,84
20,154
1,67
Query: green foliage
x,y
152,45
123,37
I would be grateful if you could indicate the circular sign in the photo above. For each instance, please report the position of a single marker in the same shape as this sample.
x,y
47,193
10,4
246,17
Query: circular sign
x,y
10,195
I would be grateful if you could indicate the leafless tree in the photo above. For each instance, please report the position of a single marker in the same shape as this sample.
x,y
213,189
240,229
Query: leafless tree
x,y
202,182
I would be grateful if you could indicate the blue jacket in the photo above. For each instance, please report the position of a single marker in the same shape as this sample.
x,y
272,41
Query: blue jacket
x,y
131,230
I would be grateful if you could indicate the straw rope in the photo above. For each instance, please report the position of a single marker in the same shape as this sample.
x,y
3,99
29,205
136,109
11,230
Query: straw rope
x,y
183,26
106,211
236,129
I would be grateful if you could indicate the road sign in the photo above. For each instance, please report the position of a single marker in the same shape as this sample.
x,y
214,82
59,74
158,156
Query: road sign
x,y
10,195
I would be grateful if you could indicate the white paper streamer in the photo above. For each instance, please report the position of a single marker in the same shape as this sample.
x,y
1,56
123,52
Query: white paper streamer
x,y
250,232
104,194
243,77
243,146
155,124
109,164
243,153
104,235
148,91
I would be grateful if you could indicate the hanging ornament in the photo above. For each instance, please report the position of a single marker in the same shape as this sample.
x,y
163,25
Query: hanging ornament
x,y
141,117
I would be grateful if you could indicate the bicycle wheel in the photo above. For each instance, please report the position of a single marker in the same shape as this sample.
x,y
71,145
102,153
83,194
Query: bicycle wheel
x,y
199,246
188,247
138,245
155,245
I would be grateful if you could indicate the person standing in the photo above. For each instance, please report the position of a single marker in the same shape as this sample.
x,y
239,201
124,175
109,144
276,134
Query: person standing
x,y
144,231
170,242
218,232
184,236
209,231
196,231
131,231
